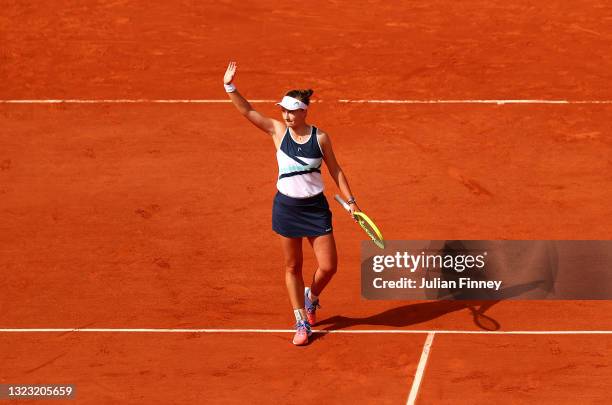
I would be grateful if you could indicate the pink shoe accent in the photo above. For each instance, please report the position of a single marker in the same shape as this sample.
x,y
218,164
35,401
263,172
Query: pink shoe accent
x,y
311,316
301,333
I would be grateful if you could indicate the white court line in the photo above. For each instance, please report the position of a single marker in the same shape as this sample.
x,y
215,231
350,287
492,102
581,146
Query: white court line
x,y
420,369
126,101
215,101
499,102
340,331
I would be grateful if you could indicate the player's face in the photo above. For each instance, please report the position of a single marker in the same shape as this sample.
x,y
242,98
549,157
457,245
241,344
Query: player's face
x,y
295,118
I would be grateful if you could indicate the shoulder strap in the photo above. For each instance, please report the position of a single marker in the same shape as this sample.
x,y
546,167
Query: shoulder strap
x,y
313,135
285,135
315,139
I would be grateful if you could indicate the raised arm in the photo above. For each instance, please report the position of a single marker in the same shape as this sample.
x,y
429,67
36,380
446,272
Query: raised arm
x,y
268,125
335,170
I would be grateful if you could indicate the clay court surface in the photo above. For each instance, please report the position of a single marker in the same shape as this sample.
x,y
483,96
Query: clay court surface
x,y
144,221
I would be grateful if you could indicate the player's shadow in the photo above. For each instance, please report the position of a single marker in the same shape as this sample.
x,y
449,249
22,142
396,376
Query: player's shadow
x,y
412,314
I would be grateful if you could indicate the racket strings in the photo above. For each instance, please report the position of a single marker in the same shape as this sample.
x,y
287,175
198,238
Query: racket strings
x,y
371,232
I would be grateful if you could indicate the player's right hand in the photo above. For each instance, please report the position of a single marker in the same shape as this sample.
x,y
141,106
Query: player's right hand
x,y
229,73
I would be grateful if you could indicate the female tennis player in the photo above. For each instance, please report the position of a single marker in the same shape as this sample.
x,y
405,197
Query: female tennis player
x,y
300,209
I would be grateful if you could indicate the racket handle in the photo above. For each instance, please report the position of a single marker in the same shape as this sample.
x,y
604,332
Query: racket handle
x,y
342,202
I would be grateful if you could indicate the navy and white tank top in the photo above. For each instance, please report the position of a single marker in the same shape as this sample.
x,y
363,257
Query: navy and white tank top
x,y
299,166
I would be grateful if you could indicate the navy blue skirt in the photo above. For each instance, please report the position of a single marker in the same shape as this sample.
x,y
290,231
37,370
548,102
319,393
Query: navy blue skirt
x,y
298,217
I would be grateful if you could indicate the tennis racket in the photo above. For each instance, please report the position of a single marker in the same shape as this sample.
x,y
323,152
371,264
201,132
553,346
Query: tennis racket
x,y
366,223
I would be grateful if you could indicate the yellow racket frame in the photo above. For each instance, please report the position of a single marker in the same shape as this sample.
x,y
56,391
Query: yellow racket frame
x,y
364,221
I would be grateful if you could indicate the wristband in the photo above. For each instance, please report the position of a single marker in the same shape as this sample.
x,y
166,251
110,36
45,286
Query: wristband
x,y
229,88
351,201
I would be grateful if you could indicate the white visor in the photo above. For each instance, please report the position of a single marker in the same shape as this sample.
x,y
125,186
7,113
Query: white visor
x,y
291,104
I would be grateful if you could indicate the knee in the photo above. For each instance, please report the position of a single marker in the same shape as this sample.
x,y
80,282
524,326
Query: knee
x,y
293,268
330,270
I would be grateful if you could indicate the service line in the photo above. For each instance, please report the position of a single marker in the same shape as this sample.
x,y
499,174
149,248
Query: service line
x,y
418,376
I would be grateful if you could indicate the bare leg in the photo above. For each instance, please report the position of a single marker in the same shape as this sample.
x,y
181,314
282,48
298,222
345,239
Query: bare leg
x,y
292,251
325,251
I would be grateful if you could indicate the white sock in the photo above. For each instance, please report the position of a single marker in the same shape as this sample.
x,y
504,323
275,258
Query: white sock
x,y
298,315
312,297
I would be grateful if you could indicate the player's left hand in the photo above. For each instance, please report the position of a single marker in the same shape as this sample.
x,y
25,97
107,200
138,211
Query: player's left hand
x,y
354,208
